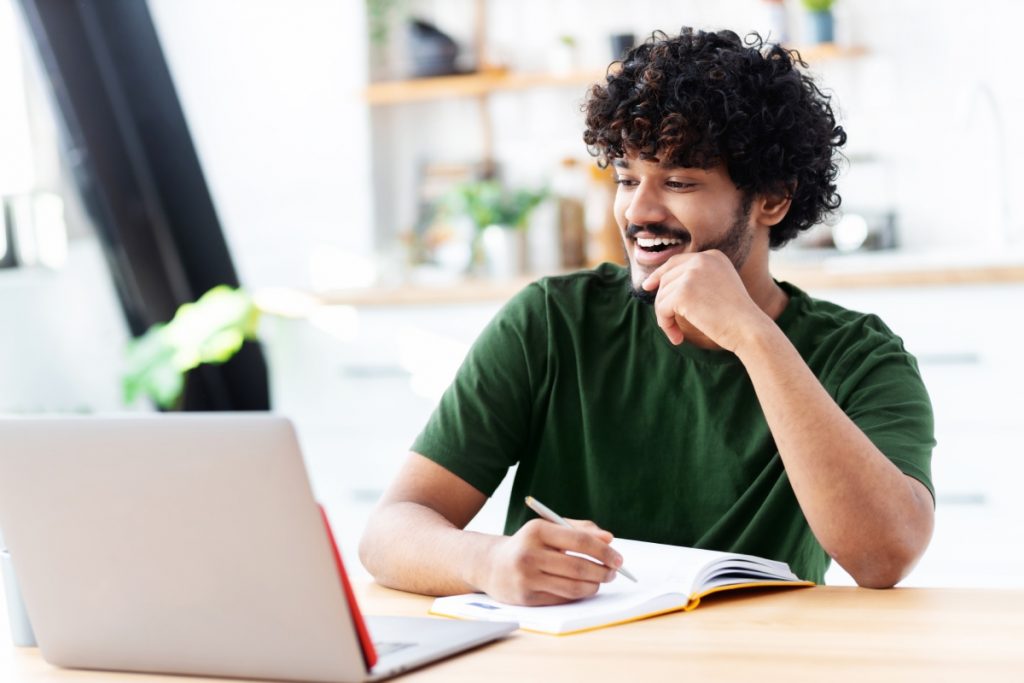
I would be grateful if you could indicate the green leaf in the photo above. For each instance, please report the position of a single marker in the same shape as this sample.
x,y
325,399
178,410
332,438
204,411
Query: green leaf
x,y
487,202
818,5
211,330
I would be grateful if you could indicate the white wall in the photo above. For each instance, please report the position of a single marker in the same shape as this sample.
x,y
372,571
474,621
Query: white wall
x,y
936,100
64,337
271,92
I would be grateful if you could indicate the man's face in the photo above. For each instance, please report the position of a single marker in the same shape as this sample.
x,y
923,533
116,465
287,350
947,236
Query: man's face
x,y
663,211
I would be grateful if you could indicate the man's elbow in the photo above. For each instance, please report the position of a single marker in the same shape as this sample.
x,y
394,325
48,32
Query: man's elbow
x,y
370,548
885,569
366,551
880,579
894,552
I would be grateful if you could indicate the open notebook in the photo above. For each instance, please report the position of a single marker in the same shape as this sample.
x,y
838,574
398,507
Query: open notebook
x,y
669,578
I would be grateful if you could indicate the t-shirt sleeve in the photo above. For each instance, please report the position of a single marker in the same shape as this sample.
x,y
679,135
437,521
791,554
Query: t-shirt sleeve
x,y
482,424
883,393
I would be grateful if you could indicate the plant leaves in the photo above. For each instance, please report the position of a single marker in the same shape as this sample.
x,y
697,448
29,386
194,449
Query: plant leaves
x,y
211,330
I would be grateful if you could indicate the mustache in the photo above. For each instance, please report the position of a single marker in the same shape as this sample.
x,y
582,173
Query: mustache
x,y
658,230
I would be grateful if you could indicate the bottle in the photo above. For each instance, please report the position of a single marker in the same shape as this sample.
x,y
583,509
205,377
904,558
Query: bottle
x,y
604,239
569,186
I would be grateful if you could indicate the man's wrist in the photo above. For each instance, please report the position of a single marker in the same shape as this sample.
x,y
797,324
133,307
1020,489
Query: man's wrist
x,y
480,549
757,339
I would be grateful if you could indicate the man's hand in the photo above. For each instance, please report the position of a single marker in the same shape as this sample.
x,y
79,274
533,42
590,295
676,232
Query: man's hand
x,y
532,567
705,291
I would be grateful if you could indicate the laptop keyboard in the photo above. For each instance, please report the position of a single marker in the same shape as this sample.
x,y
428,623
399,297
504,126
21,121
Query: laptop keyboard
x,y
390,648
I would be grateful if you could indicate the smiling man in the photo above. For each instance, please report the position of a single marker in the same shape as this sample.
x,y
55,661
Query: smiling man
x,y
690,399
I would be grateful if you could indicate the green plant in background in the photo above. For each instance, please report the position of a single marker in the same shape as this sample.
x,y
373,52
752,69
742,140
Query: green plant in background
x,y
488,202
818,5
379,15
211,330
821,24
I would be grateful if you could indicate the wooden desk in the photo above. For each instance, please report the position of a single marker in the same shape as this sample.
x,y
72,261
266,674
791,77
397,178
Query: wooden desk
x,y
813,634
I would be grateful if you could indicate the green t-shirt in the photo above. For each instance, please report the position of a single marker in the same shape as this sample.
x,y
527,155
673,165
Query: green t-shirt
x,y
607,420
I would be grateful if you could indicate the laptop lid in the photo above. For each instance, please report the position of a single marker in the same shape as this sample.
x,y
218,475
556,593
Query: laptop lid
x,y
411,642
183,544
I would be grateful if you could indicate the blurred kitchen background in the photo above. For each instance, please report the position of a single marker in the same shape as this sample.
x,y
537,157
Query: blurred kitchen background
x,y
385,173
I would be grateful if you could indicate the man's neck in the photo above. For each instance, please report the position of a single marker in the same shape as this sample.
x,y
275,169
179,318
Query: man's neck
x,y
769,297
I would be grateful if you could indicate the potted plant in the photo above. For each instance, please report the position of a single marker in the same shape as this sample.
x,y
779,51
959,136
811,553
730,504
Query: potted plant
x,y
820,23
499,218
210,330
563,56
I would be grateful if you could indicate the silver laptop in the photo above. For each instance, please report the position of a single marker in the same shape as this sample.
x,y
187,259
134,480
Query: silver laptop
x,y
191,544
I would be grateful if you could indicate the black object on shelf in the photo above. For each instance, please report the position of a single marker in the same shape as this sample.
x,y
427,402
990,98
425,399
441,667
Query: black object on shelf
x,y
432,52
621,44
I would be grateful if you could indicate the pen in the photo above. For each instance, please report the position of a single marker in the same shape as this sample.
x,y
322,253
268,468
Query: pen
x,y
547,513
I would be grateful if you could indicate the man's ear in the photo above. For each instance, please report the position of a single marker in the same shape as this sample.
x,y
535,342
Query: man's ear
x,y
772,207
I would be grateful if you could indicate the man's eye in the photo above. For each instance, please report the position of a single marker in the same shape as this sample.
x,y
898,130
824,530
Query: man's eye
x,y
625,182
678,185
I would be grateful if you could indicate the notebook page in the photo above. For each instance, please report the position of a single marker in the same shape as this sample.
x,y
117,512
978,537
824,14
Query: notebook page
x,y
661,570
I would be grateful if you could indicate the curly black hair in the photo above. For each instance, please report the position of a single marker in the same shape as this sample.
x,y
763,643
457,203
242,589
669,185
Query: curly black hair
x,y
700,98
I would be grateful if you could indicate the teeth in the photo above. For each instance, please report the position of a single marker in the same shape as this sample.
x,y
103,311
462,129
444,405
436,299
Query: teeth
x,y
648,242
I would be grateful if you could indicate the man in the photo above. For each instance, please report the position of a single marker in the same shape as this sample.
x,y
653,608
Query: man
x,y
690,399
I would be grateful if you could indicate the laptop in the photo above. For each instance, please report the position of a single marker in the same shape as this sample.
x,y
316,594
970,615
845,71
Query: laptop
x,y
192,544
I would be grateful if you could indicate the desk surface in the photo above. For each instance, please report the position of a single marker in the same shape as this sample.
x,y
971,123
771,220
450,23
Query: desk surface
x,y
822,633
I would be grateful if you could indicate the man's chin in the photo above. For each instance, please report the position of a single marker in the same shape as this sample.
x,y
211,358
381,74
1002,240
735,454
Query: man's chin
x,y
637,275
642,295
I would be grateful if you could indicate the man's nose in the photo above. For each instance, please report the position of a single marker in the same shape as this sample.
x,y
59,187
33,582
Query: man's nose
x,y
645,206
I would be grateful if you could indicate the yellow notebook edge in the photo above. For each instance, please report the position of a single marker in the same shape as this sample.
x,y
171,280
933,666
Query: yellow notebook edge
x,y
696,598
640,617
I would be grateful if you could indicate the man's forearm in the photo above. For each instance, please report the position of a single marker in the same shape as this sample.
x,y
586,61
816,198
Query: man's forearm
x,y
413,548
864,511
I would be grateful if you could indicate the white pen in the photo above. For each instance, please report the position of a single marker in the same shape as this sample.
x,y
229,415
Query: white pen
x,y
547,513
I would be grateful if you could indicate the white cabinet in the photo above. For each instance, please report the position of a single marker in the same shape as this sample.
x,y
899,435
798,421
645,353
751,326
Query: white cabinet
x,y
968,343
360,383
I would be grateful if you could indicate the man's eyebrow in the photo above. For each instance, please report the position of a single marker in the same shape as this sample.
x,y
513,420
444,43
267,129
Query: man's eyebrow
x,y
620,163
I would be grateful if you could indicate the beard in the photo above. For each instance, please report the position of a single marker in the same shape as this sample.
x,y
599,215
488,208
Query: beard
x,y
735,244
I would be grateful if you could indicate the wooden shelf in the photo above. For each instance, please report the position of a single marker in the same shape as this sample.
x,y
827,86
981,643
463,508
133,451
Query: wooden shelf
x,y
498,80
826,52
468,291
473,85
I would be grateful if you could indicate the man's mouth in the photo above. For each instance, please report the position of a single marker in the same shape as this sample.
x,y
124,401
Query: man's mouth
x,y
658,244
655,244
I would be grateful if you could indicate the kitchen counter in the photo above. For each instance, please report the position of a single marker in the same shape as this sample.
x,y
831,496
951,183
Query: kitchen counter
x,y
808,271
899,269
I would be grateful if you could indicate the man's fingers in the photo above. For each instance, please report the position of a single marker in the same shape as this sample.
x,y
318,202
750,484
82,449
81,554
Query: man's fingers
x,y
665,273
583,542
669,319
573,567
591,528
567,589
659,277
672,330
543,599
